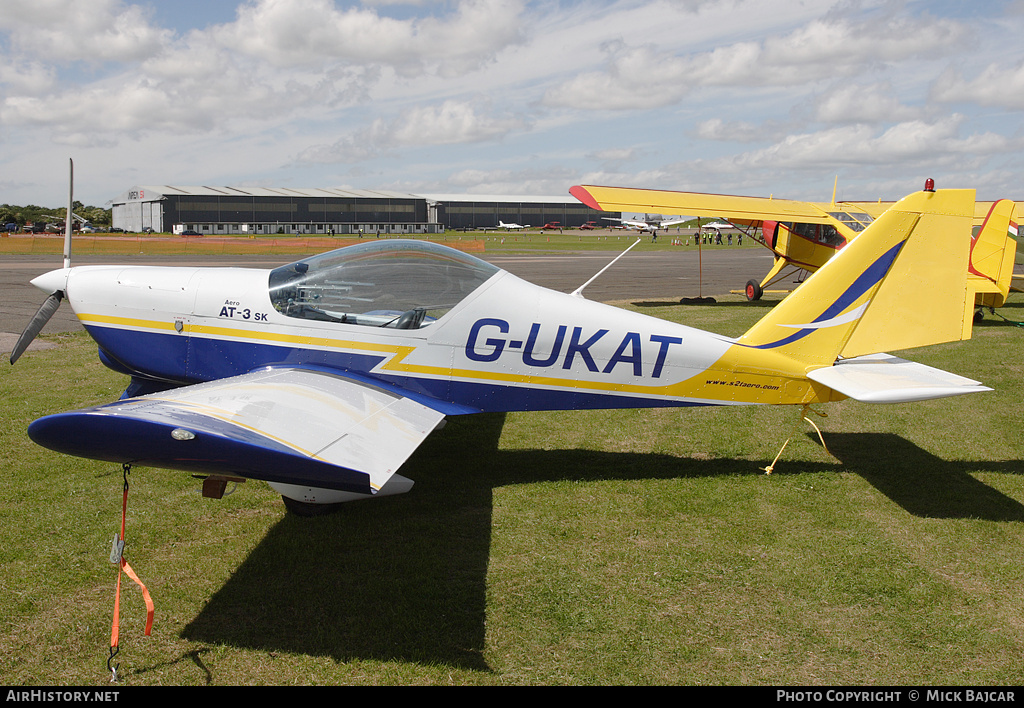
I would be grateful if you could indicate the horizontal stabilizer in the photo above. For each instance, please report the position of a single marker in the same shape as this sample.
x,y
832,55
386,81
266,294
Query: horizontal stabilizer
x,y
291,426
882,378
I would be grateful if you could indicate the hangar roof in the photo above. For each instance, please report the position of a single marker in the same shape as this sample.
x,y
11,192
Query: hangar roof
x,y
153,192
157,192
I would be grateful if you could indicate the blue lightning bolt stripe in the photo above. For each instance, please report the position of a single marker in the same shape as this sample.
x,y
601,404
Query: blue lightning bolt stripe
x,y
871,276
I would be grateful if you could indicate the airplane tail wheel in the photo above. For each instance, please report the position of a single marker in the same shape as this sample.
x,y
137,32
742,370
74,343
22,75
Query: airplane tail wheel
x,y
753,290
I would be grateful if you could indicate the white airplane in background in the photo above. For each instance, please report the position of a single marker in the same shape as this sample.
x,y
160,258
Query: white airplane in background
x,y
717,226
650,224
512,226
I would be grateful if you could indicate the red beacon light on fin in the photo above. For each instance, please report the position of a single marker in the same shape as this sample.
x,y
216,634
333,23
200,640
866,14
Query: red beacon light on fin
x,y
929,185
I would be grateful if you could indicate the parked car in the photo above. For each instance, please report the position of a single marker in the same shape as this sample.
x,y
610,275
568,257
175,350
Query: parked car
x,y
190,232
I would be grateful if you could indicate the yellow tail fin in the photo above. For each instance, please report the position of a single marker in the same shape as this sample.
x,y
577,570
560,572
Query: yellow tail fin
x,y
992,254
901,283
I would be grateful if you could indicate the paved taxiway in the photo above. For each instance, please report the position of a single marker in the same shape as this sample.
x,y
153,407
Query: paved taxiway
x,y
660,275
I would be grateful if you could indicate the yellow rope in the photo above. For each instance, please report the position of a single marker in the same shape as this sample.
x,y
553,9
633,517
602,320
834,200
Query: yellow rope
x,y
769,468
807,408
803,415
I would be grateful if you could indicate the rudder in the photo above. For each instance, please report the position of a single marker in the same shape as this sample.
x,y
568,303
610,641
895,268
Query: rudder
x,y
993,251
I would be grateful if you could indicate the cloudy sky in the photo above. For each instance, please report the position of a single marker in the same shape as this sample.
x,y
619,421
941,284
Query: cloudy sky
x,y
512,97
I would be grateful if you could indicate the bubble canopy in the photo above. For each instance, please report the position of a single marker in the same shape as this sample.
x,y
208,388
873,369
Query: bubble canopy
x,y
402,284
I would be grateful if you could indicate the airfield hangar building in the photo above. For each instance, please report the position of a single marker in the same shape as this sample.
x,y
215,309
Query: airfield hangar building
x,y
216,211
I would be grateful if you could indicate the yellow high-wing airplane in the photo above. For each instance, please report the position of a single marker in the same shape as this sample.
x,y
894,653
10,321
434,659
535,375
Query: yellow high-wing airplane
x,y
806,235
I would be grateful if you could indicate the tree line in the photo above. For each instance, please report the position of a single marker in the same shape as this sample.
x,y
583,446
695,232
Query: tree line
x,y
32,214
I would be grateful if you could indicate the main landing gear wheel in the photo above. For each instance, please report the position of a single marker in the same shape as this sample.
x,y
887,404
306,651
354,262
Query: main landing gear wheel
x,y
753,290
305,509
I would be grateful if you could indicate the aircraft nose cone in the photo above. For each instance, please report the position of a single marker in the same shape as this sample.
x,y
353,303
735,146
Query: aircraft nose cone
x,y
53,281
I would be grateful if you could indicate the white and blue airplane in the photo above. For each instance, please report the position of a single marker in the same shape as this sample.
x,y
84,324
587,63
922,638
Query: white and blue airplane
x,y
649,223
322,376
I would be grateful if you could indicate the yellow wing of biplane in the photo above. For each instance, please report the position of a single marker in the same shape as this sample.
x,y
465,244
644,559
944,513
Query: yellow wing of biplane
x,y
805,235
733,208
801,235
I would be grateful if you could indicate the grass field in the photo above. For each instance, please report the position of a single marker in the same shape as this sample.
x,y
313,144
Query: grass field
x,y
625,547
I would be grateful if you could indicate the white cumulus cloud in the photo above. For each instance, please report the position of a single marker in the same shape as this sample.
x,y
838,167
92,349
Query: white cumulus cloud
x,y
451,122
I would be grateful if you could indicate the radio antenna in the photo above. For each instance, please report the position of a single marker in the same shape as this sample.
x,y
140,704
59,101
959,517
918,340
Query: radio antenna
x,y
578,292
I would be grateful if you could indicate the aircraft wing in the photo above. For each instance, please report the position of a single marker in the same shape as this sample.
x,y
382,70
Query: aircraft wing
x,y
632,222
883,378
734,208
981,210
294,426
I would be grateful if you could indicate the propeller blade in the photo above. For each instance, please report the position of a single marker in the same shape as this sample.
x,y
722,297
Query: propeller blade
x,y
36,324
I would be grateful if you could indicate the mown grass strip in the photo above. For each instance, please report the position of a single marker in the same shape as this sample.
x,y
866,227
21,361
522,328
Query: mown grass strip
x,y
577,547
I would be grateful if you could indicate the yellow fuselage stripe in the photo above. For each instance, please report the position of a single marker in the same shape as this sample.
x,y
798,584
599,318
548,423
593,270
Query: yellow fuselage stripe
x,y
395,364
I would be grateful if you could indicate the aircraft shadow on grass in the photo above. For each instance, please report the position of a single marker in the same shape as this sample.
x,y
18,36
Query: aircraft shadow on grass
x,y
921,483
407,580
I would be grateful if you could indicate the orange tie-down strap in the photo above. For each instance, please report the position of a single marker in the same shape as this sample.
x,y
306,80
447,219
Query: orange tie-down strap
x,y
117,603
117,556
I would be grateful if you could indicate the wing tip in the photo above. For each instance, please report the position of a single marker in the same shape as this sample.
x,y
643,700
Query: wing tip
x,y
585,196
